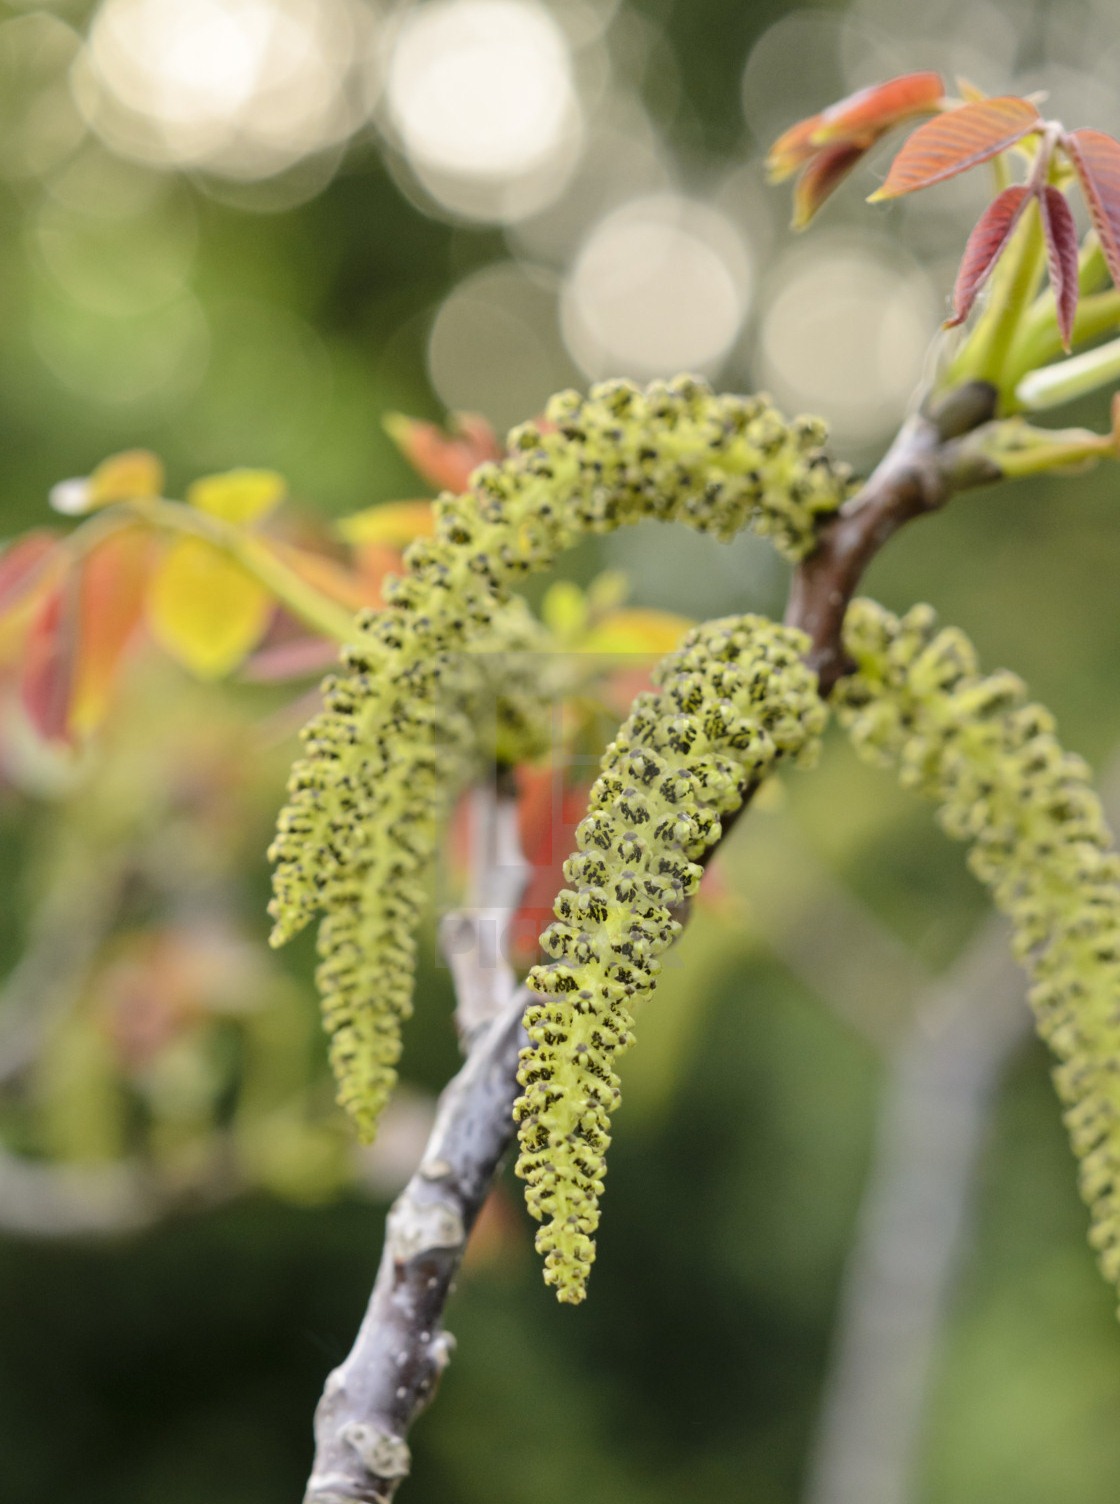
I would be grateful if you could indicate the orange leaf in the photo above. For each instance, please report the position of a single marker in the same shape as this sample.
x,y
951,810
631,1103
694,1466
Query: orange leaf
x,y
550,806
986,244
1060,233
859,120
864,116
1096,158
375,561
50,654
823,175
328,576
446,460
956,141
28,568
792,150
111,599
390,522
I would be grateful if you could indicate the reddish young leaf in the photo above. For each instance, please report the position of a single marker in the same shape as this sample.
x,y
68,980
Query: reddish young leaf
x,y
552,800
1096,158
858,120
865,115
22,566
823,175
1061,252
956,141
792,150
113,580
444,459
50,660
986,244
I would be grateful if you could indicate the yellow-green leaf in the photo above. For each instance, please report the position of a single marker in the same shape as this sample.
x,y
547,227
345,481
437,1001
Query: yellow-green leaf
x,y
134,475
393,522
204,609
636,630
564,610
238,496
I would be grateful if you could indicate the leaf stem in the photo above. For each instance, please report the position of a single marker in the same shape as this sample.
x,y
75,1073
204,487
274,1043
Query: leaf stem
x,y
252,552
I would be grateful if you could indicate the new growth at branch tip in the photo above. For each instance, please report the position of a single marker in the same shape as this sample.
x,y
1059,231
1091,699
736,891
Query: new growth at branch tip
x,y
1025,234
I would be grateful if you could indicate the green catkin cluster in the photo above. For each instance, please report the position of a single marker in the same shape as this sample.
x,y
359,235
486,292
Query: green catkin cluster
x,y
733,701
400,788
1039,841
370,794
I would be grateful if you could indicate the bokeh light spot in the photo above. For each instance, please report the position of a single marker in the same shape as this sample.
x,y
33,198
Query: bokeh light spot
x,y
480,95
660,285
845,332
242,88
495,344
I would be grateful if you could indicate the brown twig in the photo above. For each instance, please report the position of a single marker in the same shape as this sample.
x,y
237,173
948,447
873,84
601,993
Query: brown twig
x,y
390,1374
933,456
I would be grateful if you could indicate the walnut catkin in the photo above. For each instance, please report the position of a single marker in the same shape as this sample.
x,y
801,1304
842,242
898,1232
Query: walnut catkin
x,y
732,702
1039,841
396,737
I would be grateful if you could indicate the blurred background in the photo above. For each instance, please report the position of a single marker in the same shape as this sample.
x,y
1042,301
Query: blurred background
x,y
843,1257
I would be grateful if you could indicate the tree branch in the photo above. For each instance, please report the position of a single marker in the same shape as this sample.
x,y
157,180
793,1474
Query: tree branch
x,y
391,1373
473,937
933,456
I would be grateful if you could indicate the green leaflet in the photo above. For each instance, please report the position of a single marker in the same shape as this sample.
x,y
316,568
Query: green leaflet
x,y
1039,841
734,700
397,736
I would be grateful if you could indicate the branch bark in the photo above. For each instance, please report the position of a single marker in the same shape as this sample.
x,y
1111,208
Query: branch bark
x,y
391,1373
393,1369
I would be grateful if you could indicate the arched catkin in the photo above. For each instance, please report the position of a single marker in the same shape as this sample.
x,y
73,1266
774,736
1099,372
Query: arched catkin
x,y
733,701
1039,840
369,796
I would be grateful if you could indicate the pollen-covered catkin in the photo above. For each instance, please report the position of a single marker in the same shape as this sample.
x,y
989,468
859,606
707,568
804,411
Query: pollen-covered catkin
x,y
732,702
1039,841
398,789
370,794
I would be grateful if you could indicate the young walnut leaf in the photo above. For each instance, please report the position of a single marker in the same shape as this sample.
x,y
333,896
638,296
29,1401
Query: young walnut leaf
x,y
985,246
822,176
1060,233
50,662
111,589
827,146
391,524
26,566
239,496
857,121
1096,159
204,609
865,115
446,459
134,475
956,141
